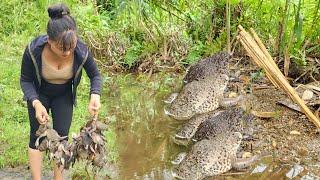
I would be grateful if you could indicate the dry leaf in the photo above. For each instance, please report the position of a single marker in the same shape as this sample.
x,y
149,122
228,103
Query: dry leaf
x,y
246,155
307,95
233,95
294,132
245,79
264,114
313,86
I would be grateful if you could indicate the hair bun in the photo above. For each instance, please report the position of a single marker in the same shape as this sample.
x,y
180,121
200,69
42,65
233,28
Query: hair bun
x,y
58,10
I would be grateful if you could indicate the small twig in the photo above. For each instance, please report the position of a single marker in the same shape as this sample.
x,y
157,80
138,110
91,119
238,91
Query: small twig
x,y
234,44
95,117
90,38
311,76
87,171
234,173
263,87
228,14
301,75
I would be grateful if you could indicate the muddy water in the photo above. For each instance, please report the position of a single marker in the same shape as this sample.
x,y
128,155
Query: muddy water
x,y
144,132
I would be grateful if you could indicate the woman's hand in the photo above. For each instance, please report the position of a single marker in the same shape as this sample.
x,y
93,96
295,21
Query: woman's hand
x,y
94,104
41,112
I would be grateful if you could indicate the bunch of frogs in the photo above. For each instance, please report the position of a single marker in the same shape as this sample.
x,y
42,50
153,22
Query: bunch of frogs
x,y
203,92
217,139
219,133
89,144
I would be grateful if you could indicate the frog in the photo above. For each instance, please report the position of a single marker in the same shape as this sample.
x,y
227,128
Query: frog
x,y
47,131
208,67
199,97
208,125
213,156
232,119
205,83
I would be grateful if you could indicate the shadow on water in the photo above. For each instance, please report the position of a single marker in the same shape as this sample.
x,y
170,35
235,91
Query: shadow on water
x,y
144,132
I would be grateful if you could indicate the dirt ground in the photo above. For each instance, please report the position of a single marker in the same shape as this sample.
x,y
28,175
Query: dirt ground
x,y
288,137
21,173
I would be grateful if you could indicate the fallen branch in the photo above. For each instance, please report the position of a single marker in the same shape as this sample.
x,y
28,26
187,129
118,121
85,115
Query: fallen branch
x,y
258,52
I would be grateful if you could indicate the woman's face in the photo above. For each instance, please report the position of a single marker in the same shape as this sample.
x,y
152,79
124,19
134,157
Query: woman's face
x,y
60,51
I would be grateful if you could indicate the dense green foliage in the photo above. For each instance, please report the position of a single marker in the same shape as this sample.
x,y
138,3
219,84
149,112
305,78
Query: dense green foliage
x,y
127,34
180,32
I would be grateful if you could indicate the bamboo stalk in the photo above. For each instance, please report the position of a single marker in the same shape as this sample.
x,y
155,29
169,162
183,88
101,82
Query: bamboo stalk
x,y
228,16
264,49
258,52
250,51
263,60
258,56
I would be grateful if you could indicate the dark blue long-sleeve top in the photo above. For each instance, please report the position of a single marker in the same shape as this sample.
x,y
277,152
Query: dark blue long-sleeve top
x,y
31,76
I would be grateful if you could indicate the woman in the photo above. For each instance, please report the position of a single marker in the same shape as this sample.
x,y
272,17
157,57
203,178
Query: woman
x,y
50,73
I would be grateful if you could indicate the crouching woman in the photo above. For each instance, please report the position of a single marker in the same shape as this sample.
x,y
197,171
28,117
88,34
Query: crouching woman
x,y
50,73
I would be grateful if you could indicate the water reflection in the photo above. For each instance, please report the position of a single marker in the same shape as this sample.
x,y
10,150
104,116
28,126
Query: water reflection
x,y
143,130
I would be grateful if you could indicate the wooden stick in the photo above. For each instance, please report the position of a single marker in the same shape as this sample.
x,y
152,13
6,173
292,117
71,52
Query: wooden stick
x,y
269,67
264,49
258,52
268,63
251,51
261,59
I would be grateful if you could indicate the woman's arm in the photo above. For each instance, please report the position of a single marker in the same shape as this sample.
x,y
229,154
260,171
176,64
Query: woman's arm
x,y
29,90
95,85
27,77
94,75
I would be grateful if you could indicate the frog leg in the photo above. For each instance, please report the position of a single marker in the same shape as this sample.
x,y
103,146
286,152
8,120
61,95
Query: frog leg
x,y
179,158
168,113
37,141
228,102
49,144
62,160
242,163
171,98
63,137
51,155
92,149
188,130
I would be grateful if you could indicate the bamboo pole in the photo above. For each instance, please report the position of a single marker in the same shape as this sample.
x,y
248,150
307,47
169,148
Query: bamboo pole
x,y
228,17
258,52
250,50
264,49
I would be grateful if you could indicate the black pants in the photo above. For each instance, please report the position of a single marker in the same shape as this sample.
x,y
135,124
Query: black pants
x,y
58,99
